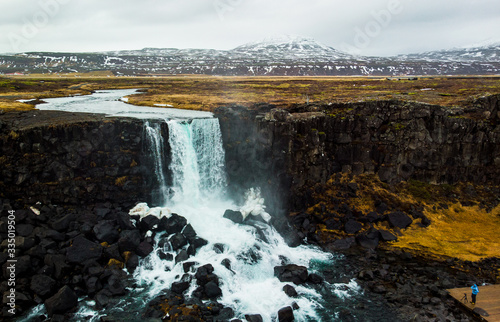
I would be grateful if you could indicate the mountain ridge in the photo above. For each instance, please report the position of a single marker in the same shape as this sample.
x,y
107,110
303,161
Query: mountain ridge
x,y
290,55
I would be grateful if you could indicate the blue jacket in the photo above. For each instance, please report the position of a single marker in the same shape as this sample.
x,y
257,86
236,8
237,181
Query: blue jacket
x,y
474,288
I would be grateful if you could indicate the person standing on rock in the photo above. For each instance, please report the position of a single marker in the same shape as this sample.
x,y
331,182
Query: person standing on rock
x,y
475,290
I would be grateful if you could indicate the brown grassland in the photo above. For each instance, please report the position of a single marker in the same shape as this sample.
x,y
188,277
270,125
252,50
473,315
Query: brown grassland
x,y
209,92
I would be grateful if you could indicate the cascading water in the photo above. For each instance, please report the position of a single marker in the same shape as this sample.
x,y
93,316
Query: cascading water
x,y
156,146
197,158
252,250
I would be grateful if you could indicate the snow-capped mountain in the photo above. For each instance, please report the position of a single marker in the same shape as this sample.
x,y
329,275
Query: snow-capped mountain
x,y
290,47
489,53
278,56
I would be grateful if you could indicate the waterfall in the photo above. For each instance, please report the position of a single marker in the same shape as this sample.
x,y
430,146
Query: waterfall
x,y
253,250
197,158
156,143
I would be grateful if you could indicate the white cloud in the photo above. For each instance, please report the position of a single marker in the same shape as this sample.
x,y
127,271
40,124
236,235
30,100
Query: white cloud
x,y
93,25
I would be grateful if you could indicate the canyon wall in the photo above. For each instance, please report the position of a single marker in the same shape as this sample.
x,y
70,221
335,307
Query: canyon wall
x,y
297,148
67,159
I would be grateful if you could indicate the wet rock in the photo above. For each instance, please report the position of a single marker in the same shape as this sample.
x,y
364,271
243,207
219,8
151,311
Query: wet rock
x,y
132,263
253,318
189,232
212,290
286,314
234,216
291,273
62,302
148,223
290,290
226,262
178,241
225,314
83,249
115,285
219,248
179,287
172,225
182,256
187,266
204,274
314,279
399,219
144,249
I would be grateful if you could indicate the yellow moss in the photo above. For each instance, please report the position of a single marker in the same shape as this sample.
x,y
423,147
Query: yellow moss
x,y
120,181
126,256
468,233
13,135
105,244
115,263
133,164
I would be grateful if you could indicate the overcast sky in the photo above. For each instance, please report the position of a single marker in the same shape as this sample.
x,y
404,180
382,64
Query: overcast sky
x,y
366,27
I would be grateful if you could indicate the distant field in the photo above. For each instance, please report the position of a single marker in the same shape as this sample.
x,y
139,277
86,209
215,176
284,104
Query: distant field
x,y
209,92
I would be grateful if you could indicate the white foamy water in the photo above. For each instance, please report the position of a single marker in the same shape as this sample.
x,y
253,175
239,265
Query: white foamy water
x,y
198,182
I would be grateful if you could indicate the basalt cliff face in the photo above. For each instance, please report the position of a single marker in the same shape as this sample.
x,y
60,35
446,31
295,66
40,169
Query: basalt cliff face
x,y
64,158
287,152
73,159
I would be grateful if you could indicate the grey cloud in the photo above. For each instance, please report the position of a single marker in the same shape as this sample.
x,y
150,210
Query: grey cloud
x,y
93,25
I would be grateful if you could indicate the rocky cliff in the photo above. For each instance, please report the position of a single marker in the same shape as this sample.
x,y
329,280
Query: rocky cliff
x,y
67,159
289,151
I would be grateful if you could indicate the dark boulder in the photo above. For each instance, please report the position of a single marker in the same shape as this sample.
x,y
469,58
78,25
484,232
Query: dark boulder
x,y
182,256
115,285
62,302
399,219
148,223
212,290
172,225
290,290
83,249
204,274
132,263
63,223
189,232
234,216
314,279
345,243
291,273
129,240
42,285
106,231
144,249
286,314
178,241
253,318
179,287
352,227
368,240
387,236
